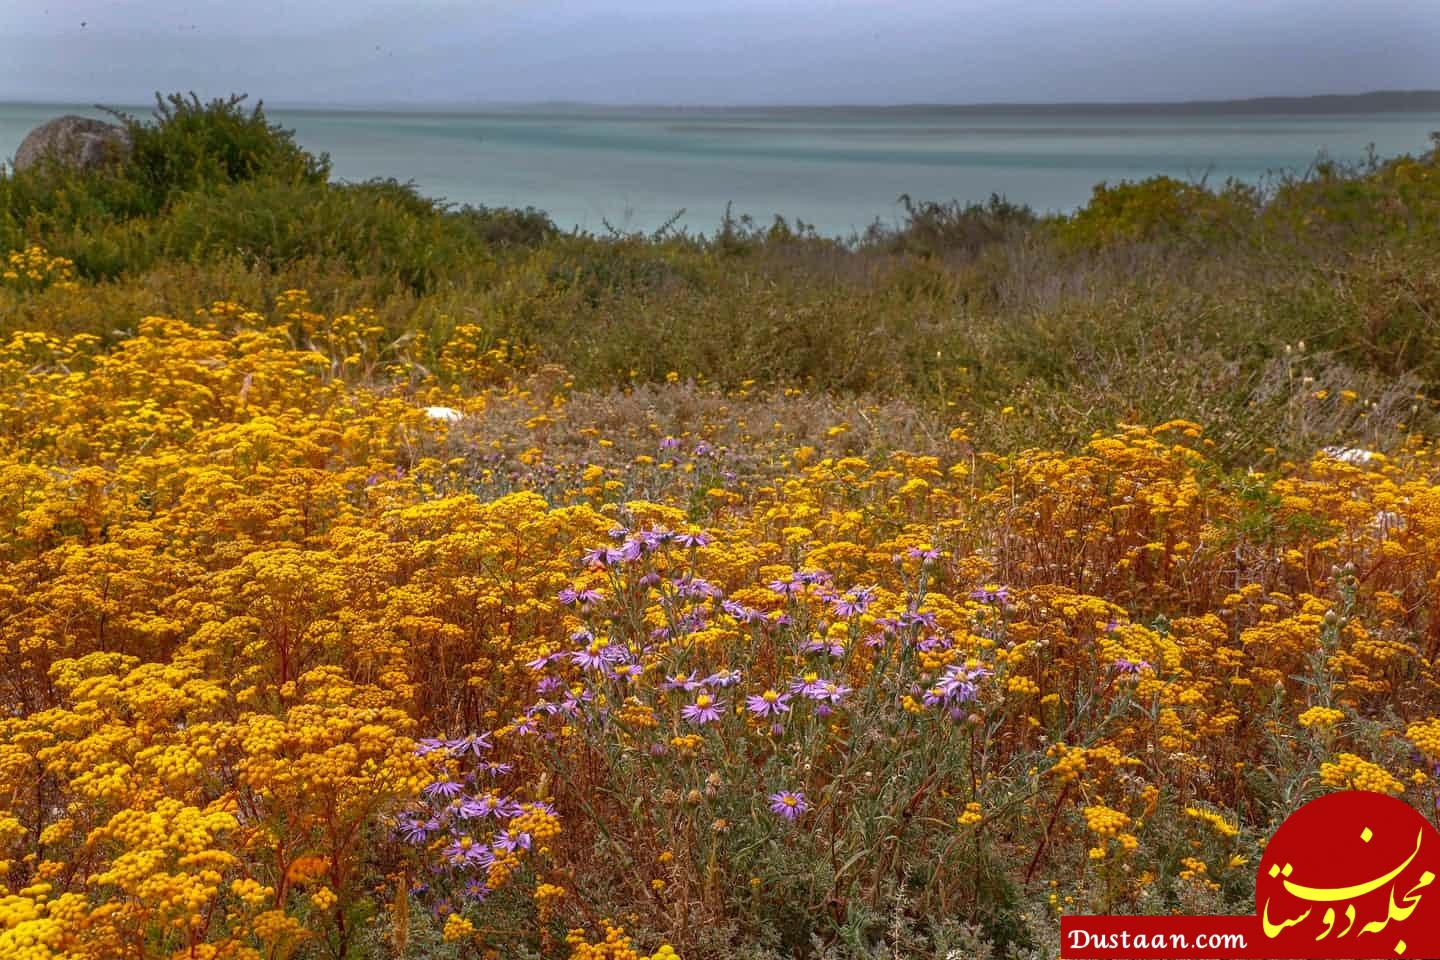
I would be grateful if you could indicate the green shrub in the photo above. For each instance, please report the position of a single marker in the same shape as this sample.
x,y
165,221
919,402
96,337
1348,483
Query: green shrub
x,y
374,228
935,228
503,227
1159,208
192,144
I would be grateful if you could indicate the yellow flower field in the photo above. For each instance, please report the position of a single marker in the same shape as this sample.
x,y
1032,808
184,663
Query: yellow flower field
x,y
310,651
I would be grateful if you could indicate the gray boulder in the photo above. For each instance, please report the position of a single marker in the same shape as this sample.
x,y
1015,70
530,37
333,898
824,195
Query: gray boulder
x,y
77,142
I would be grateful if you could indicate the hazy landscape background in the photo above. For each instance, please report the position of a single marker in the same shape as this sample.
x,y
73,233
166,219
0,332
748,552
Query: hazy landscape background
x,y
839,170
439,79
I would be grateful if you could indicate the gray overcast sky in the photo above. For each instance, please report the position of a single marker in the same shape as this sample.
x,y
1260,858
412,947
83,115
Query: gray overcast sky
x,y
714,51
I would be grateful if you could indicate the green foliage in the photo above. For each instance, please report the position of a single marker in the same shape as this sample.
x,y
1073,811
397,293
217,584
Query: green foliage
x,y
933,228
502,227
192,144
1345,205
372,228
1155,300
1158,208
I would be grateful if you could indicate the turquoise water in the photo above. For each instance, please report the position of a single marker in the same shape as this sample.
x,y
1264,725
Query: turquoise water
x,y
838,169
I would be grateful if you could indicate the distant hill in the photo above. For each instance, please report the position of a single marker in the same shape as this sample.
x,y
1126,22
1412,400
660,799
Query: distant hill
x,y
1380,101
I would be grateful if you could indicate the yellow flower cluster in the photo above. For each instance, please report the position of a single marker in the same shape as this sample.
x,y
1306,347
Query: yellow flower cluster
x,y
1350,772
1105,822
614,945
1426,737
546,897
1197,871
457,927
33,927
36,267
1321,717
536,821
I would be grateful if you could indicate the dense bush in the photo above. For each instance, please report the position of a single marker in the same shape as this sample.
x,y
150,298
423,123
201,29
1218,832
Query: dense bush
x,y
934,228
1160,208
191,144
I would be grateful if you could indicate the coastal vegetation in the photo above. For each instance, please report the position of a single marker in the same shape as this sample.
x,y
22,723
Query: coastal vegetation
x,y
387,579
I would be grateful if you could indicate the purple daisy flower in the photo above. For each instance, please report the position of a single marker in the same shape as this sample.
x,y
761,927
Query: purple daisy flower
x,y
957,685
854,602
768,704
698,538
918,618
789,804
741,612
471,743
473,808
787,588
991,594
466,852
821,645
682,682
802,683
595,656
442,788
721,679
826,691
585,598
695,588
512,840
417,831
629,672
603,557
705,709
540,663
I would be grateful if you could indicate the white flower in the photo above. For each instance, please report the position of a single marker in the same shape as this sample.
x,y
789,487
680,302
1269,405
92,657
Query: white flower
x,y
449,414
1349,454
1387,522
